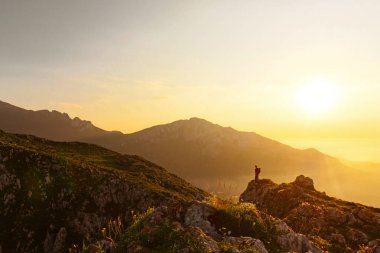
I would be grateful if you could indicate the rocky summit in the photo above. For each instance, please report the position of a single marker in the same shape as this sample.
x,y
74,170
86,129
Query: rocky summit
x,y
344,226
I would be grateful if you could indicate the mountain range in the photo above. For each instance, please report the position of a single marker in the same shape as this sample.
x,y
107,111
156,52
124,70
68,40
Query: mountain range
x,y
215,158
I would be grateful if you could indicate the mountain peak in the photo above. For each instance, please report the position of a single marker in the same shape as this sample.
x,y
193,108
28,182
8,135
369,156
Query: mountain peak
x,y
53,124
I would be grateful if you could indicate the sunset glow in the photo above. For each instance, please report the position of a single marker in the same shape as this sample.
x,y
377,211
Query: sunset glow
x,y
300,71
317,96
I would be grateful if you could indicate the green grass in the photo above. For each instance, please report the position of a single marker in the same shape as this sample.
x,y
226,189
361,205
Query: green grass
x,y
132,168
243,219
159,237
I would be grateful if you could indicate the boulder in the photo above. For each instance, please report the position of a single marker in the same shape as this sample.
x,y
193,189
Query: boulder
x,y
356,236
366,215
338,239
197,216
60,241
305,182
246,244
208,243
290,241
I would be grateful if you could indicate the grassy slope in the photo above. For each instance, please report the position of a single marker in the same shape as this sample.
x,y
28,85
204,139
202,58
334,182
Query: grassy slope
x,y
133,168
48,185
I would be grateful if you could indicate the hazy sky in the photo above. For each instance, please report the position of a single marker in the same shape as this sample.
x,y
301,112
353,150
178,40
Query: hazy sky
x,y
127,65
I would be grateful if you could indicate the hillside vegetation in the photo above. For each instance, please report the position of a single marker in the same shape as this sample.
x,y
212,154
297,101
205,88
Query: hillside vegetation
x,y
73,189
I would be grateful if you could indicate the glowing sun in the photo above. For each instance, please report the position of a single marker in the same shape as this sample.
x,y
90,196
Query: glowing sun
x,y
317,96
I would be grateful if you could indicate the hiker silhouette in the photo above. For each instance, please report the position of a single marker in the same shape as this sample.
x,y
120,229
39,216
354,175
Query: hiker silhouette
x,y
257,172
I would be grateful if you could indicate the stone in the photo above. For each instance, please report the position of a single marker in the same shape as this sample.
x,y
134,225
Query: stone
x,y
247,243
60,241
197,216
338,238
290,241
305,182
367,216
48,243
206,241
335,215
356,236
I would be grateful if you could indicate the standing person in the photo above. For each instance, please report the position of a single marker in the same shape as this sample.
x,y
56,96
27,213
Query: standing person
x,y
257,172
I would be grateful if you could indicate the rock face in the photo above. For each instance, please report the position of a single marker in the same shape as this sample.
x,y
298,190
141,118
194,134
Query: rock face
x,y
345,225
54,194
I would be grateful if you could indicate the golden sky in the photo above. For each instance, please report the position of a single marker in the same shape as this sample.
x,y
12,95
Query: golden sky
x,y
302,72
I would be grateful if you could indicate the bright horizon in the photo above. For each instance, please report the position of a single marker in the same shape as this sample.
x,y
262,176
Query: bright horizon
x,y
303,73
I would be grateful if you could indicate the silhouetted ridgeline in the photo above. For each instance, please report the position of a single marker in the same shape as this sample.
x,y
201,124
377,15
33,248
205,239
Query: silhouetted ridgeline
x,y
215,158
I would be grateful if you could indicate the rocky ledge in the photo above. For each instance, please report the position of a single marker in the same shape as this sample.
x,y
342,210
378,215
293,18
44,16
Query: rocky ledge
x,y
345,226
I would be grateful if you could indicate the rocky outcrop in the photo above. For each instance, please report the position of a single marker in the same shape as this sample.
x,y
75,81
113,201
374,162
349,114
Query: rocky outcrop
x,y
345,225
202,215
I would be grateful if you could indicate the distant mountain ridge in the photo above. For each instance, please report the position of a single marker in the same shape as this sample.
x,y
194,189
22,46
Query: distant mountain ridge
x,y
215,158
53,125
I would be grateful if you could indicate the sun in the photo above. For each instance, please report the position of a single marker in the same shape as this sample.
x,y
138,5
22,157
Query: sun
x,y
317,96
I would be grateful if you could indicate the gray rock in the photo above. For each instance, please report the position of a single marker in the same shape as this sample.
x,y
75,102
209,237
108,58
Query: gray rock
x,y
247,243
208,243
48,243
356,236
60,241
288,240
197,216
338,238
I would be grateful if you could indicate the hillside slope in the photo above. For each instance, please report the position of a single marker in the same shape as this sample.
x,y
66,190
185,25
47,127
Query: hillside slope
x,y
53,190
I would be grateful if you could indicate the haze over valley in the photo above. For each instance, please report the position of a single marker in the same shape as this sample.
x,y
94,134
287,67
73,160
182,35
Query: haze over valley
x,y
171,126
215,158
